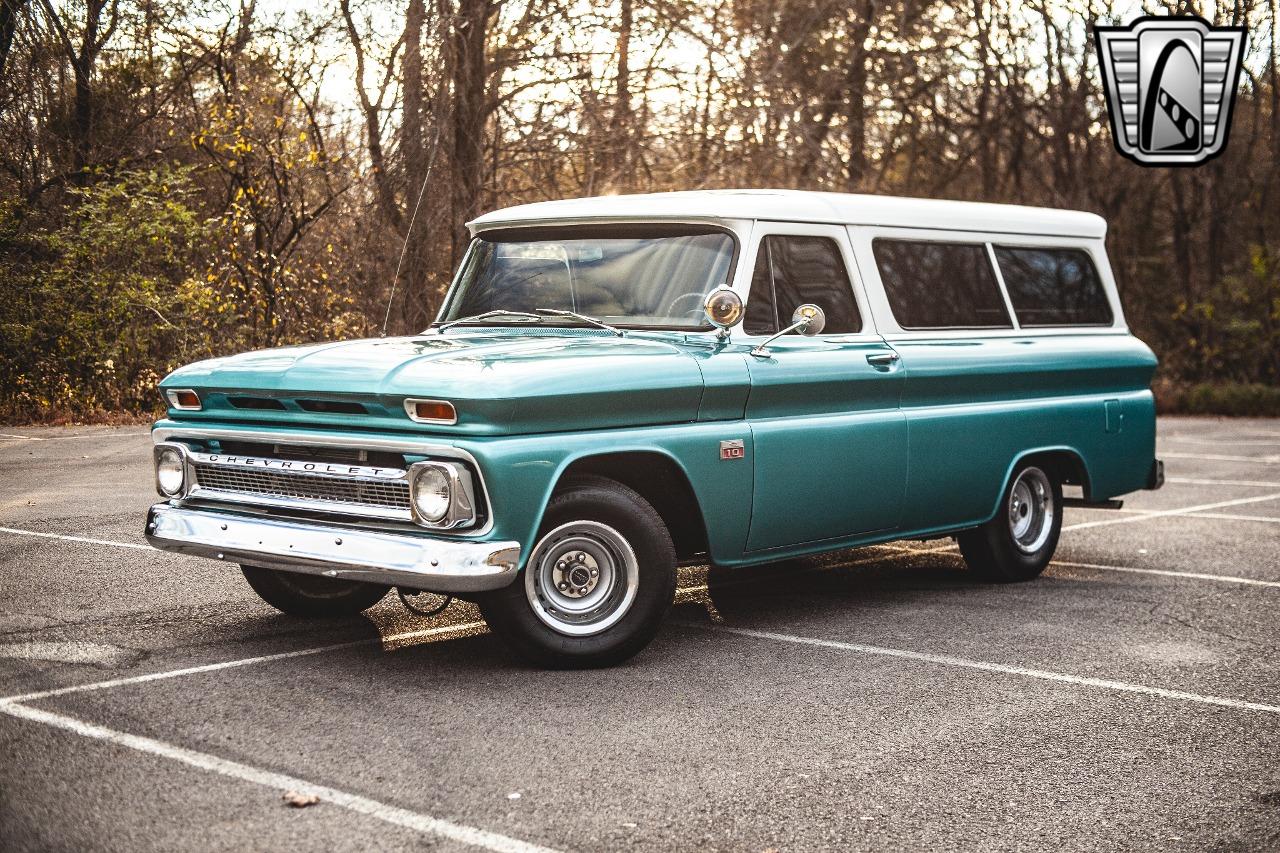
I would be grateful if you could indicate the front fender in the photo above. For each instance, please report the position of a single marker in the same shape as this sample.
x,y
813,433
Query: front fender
x,y
522,473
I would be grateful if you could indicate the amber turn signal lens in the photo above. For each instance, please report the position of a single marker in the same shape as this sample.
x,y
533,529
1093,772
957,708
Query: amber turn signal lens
x,y
184,398
431,411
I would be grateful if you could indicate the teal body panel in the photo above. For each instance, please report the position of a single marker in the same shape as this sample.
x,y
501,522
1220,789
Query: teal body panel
x,y
838,452
830,442
974,406
501,382
521,472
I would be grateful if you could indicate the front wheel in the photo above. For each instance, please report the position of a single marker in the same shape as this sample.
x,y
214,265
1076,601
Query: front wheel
x,y
1018,543
312,595
597,584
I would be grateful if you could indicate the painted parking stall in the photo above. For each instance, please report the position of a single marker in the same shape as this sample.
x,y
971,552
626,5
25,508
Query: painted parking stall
x,y
873,698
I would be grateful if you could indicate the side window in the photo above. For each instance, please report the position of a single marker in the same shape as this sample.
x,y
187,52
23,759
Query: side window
x,y
1054,287
791,271
940,285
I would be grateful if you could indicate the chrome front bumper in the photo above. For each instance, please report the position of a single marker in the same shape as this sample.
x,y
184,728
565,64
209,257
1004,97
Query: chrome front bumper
x,y
395,559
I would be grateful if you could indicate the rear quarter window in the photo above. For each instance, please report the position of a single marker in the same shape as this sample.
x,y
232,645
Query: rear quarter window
x,y
940,285
1054,287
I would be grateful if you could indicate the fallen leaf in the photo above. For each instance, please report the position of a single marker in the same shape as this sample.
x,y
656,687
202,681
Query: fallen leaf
x,y
299,800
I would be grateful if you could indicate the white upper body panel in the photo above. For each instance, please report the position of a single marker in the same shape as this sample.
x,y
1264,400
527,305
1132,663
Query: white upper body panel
x,y
802,206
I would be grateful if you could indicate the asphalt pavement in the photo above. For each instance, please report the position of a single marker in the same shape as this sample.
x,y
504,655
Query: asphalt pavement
x,y
877,699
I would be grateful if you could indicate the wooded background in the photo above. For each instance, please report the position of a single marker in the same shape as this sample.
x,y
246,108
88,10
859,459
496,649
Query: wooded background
x,y
185,179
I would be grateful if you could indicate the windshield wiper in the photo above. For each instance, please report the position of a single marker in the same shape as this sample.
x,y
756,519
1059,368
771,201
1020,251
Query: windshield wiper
x,y
500,312
556,312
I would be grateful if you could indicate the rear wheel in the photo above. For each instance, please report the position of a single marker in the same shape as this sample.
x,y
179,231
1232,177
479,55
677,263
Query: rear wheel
x,y
1018,543
310,595
597,584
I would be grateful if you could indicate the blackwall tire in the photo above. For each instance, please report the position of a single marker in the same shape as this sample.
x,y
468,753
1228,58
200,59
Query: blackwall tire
x,y
311,595
598,582
1020,541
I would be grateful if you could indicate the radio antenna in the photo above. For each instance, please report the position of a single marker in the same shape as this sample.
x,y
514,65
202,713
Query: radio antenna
x,y
435,147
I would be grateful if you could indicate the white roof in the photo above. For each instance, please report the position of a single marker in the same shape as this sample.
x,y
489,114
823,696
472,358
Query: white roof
x,y
802,206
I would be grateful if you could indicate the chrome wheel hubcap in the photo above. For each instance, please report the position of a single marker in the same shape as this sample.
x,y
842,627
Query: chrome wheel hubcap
x,y
582,578
1031,510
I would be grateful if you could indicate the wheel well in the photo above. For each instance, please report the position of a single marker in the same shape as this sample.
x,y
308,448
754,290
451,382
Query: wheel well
x,y
659,481
1065,466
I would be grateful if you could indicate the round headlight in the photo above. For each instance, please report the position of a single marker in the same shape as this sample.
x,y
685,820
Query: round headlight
x,y
432,494
170,472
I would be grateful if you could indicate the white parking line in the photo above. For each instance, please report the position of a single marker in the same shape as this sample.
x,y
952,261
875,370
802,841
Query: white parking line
x,y
235,770
1165,513
230,664
4,436
1223,457
1199,481
985,666
1168,573
76,539
1217,442
68,538
1232,517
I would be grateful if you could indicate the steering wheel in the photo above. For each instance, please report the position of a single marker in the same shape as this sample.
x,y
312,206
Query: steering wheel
x,y
671,306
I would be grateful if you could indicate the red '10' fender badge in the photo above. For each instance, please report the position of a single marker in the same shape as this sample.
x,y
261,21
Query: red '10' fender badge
x,y
733,449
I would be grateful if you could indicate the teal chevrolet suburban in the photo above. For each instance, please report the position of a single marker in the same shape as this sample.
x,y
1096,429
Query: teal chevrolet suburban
x,y
617,386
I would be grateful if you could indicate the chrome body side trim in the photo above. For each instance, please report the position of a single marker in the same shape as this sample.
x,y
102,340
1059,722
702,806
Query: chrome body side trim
x,y
415,562
168,434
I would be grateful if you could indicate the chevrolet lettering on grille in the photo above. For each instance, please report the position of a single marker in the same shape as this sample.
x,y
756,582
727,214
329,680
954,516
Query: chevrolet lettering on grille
x,y
298,466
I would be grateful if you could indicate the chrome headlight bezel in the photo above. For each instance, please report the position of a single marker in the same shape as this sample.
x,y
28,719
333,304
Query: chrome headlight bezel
x,y
461,510
167,450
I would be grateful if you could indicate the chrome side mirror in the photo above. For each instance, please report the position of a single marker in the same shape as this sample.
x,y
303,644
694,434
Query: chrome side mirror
x,y
808,320
724,308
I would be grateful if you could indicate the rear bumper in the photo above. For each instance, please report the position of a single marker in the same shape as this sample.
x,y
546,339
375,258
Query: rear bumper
x,y
416,562
1155,478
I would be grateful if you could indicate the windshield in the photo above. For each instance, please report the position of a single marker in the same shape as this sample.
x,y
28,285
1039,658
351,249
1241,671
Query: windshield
x,y
637,276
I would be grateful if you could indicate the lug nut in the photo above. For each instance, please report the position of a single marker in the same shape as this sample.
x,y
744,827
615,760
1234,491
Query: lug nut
x,y
563,586
581,558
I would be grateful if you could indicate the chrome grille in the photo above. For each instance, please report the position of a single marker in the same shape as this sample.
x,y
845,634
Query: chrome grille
x,y
345,494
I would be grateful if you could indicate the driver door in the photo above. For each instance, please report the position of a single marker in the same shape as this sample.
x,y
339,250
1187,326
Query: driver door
x,y
830,438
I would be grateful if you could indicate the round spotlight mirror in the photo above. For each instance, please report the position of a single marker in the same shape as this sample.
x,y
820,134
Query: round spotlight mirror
x,y
809,319
724,308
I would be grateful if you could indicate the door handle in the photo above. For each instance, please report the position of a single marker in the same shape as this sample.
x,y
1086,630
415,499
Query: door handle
x,y
883,359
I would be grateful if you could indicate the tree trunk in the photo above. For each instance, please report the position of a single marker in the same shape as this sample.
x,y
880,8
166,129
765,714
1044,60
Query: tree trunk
x,y
623,124
856,78
82,110
9,12
416,282
470,112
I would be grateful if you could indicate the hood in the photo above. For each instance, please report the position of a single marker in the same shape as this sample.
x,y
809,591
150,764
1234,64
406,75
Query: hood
x,y
499,382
